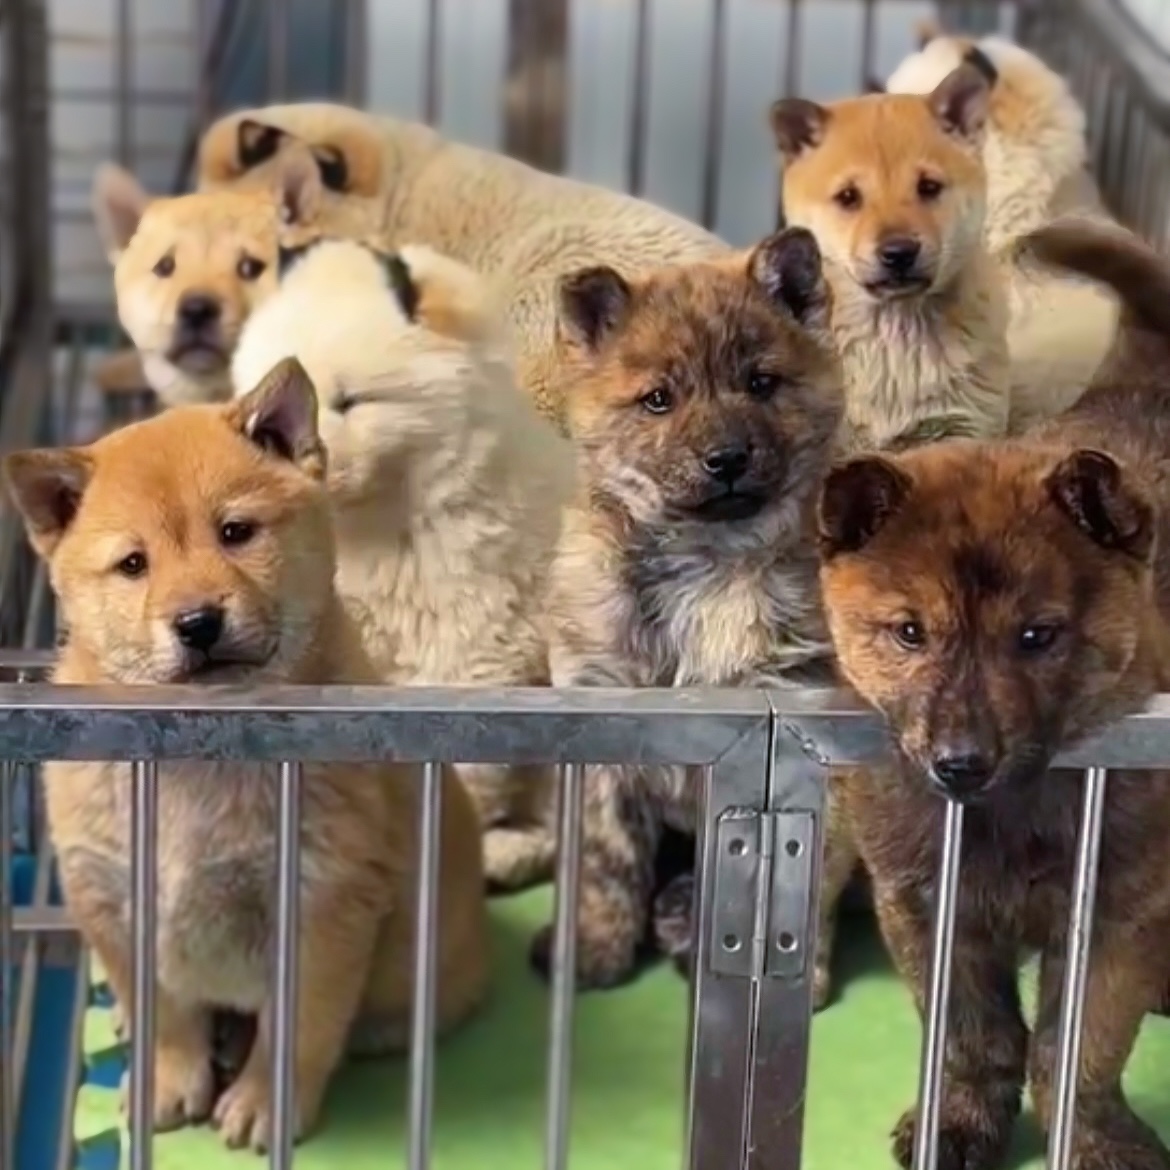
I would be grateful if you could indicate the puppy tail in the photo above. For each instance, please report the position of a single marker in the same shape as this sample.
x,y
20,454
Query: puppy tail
x,y
1114,257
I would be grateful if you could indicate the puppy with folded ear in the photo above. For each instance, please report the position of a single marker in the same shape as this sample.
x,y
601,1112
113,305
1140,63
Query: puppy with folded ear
x,y
197,548
447,487
188,270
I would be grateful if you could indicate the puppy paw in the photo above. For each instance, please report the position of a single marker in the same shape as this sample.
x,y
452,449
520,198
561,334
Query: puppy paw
x,y
1119,1140
243,1115
970,1139
601,964
822,987
184,1090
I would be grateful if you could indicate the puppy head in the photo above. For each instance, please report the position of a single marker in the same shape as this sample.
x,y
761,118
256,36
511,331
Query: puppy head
x,y
988,600
402,347
892,186
193,547
189,270
704,393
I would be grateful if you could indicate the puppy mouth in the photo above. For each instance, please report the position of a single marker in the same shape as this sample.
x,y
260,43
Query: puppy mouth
x,y
892,288
730,506
221,668
198,356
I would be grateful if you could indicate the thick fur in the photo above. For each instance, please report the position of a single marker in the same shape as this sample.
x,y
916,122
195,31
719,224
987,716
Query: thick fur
x,y
669,573
1037,170
999,603
189,270
924,344
447,488
502,218
223,509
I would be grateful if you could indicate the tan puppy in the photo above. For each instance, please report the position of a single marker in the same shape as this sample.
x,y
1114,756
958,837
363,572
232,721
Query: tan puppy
x,y
197,548
446,483
894,190
188,270
523,227
1037,169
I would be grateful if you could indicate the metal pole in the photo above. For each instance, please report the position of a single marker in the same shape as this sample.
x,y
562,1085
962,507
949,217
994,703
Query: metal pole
x,y
143,906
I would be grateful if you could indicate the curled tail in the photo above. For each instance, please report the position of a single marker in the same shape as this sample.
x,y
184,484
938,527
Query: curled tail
x,y
1111,255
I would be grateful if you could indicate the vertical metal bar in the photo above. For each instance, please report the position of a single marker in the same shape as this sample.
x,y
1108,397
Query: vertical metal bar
x,y
124,83
66,1151
868,31
792,50
432,57
1076,971
203,39
30,974
934,1024
143,876
7,960
636,162
357,52
426,954
284,1030
716,100
278,20
564,982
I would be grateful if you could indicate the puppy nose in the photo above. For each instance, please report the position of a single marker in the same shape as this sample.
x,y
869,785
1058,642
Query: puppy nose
x,y
899,254
727,464
962,772
201,628
197,310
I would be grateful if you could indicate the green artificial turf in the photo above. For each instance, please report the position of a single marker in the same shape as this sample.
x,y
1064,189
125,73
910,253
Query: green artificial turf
x,y
628,1077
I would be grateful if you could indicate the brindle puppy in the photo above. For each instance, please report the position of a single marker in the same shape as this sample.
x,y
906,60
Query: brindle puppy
x,y
997,603
703,401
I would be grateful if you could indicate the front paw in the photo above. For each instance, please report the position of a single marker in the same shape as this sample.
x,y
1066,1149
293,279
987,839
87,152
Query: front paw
x,y
973,1134
1118,1140
602,963
184,1089
243,1115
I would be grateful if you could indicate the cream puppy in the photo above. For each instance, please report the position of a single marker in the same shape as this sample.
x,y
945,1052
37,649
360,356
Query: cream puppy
x,y
447,487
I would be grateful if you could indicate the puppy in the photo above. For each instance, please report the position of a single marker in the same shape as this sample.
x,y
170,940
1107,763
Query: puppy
x,y
1037,163
446,484
895,192
998,603
703,400
523,228
196,547
188,270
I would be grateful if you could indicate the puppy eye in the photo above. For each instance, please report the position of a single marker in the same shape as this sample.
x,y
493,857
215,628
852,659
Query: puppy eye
x,y
929,188
236,532
848,198
165,267
132,566
763,385
250,268
910,635
658,401
1039,636
344,403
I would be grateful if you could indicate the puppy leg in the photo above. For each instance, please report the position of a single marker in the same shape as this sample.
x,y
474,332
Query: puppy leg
x,y
986,1042
840,862
673,922
1123,985
338,932
620,837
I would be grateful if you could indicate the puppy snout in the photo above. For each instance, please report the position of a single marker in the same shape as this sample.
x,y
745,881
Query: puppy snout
x,y
962,770
199,628
899,254
198,311
727,464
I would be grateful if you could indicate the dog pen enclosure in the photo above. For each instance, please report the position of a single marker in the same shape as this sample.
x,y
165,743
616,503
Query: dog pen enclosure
x,y
761,758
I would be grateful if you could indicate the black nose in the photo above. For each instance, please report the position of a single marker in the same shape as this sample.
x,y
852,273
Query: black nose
x,y
199,628
727,464
962,773
899,254
197,310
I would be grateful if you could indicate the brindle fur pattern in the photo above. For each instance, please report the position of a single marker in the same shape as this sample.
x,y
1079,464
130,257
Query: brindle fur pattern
x,y
661,579
1036,576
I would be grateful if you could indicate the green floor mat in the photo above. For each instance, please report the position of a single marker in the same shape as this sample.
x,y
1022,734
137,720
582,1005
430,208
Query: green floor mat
x,y
627,1111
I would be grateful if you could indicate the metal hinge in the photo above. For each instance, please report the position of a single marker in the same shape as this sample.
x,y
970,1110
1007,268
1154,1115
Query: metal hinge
x,y
763,886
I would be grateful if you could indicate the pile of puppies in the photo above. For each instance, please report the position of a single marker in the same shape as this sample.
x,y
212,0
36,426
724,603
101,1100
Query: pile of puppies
x,y
433,417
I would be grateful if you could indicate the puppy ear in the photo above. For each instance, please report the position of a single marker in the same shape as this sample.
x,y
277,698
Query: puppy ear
x,y
787,266
594,303
797,125
1094,492
960,102
333,168
280,416
119,201
857,498
925,31
257,142
299,189
46,485
977,58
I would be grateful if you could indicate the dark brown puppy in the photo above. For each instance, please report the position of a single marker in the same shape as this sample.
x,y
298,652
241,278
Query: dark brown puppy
x,y
998,602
